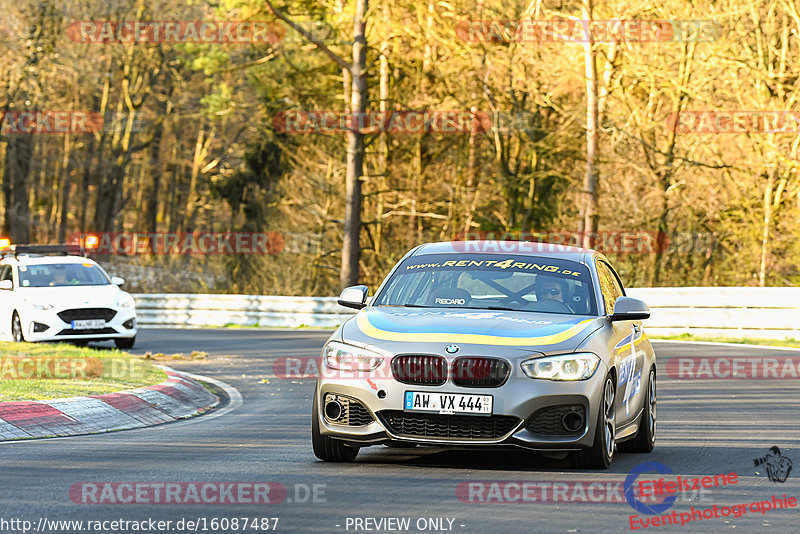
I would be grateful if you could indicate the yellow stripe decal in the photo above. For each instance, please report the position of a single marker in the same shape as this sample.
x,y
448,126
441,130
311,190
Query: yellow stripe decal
x,y
372,331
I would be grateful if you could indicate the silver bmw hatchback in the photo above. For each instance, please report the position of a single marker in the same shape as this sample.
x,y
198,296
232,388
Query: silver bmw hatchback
x,y
490,344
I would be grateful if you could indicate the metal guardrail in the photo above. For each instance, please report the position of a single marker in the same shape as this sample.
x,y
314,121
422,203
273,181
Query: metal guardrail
x,y
721,311
756,312
192,311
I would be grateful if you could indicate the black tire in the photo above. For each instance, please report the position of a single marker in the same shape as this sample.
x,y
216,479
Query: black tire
x,y
16,329
645,439
325,448
125,342
602,452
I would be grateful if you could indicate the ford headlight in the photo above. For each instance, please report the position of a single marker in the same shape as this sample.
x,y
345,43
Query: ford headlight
x,y
42,307
579,366
347,358
125,301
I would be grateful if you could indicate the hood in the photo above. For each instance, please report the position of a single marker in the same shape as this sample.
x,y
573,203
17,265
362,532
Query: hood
x,y
74,296
429,330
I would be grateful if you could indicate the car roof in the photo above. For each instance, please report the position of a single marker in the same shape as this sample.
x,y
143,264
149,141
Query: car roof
x,y
520,248
35,259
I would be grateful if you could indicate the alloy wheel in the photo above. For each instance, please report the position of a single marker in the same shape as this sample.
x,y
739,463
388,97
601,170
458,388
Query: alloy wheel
x,y
652,400
16,329
609,418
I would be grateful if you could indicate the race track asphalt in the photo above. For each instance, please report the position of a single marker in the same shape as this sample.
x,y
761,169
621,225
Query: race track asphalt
x,y
705,427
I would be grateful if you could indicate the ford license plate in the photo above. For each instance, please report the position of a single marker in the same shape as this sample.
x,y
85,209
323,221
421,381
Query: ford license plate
x,y
88,324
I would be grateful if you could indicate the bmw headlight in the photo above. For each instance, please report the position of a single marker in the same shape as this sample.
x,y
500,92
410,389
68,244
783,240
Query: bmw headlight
x,y
125,301
347,358
41,307
579,366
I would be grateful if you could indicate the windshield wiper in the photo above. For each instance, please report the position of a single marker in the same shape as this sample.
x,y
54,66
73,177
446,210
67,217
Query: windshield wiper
x,y
496,308
493,308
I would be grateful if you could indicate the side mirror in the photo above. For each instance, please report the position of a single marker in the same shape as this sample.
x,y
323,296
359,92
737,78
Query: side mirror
x,y
629,309
353,297
8,285
117,281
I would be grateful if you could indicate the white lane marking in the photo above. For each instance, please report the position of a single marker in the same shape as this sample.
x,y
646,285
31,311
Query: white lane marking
x,y
719,344
233,394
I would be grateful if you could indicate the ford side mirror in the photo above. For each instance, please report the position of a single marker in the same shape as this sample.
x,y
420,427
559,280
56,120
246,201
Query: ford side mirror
x,y
353,297
117,281
630,309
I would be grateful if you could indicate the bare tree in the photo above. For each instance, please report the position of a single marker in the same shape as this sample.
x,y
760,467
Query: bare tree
x,y
351,246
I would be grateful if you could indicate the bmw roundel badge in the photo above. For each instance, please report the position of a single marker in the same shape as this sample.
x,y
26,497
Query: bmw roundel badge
x,y
451,349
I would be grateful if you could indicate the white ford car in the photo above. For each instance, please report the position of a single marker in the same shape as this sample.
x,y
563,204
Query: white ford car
x,y
47,294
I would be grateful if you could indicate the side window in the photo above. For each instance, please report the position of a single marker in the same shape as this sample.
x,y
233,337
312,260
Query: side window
x,y
609,285
615,278
5,273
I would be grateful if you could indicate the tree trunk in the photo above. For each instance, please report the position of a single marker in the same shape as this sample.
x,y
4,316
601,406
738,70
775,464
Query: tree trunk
x,y
18,165
65,190
472,173
85,184
201,147
383,141
6,188
351,248
590,215
661,238
666,171
762,271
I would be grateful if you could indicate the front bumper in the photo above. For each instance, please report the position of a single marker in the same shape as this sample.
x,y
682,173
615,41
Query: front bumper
x,y
520,398
46,325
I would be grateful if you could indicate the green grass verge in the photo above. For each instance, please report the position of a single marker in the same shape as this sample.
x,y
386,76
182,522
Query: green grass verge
x,y
790,342
266,327
42,371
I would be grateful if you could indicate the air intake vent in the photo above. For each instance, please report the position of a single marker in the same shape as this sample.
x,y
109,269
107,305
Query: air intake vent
x,y
454,427
478,372
567,420
420,369
87,313
350,411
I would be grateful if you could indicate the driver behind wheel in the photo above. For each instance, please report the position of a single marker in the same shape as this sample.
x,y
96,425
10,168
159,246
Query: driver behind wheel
x,y
550,288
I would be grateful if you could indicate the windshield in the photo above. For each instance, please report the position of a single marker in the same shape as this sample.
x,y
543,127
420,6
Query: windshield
x,y
62,274
491,281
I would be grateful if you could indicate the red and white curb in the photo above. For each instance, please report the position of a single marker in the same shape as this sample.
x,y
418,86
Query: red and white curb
x,y
179,397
